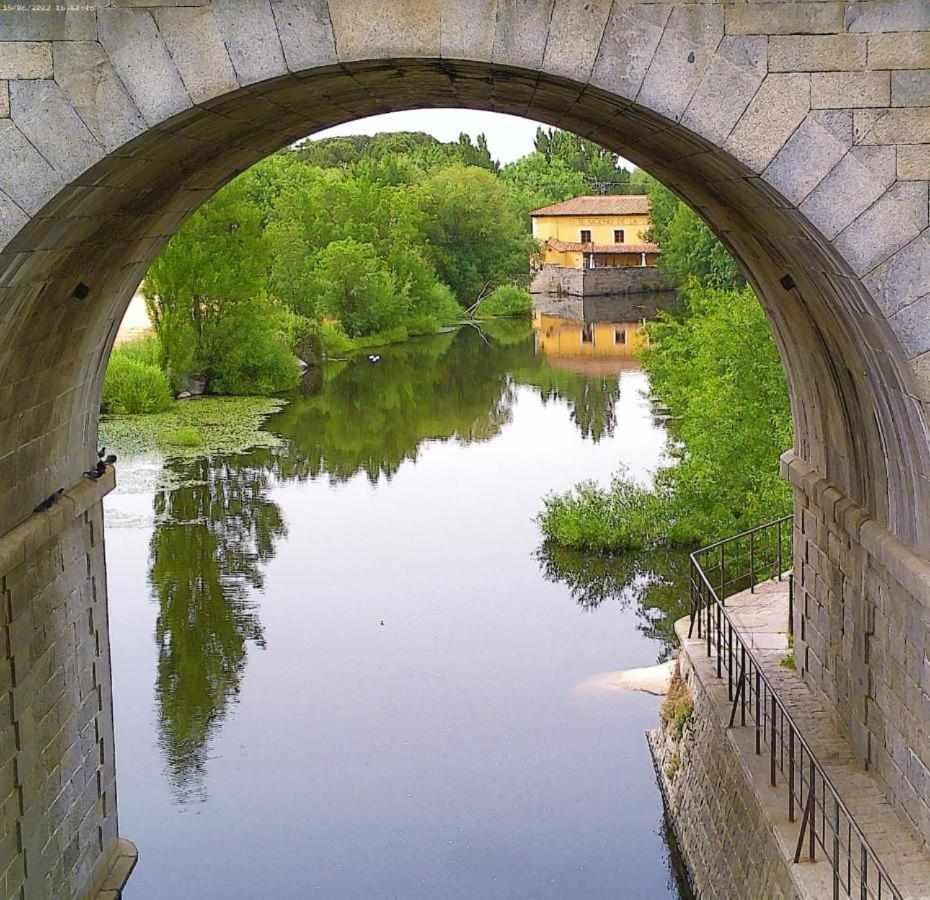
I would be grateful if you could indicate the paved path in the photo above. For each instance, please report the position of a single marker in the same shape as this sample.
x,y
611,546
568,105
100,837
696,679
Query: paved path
x,y
762,618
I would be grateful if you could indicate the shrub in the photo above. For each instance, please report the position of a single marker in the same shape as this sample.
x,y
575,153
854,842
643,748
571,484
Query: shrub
x,y
131,387
677,708
506,300
626,516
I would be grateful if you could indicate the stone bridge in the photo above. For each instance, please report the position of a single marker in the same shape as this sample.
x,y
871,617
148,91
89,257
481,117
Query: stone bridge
x,y
800,130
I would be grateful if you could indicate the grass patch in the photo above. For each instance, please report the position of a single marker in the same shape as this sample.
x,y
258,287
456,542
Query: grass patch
x,y
134,382
677,708
787,662
194,428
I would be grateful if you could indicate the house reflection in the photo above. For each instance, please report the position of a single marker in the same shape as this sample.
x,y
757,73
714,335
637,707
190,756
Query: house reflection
x,y
589,348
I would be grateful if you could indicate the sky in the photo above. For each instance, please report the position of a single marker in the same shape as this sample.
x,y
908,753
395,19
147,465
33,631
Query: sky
x,y
509,137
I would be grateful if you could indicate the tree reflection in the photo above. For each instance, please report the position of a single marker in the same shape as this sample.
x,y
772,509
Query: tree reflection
x,y
215,527
654,582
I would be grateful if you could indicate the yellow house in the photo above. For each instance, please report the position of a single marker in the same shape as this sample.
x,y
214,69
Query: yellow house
x,y
604,231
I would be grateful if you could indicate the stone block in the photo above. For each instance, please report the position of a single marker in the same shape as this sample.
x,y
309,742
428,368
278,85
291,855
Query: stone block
x,y
468,31
142,62
903,278
84,73
900,126
818,144
911,324
851,187
913,162
628,46
686,48
26,59
45,23
43,114
26,177
777,17
888,15
778,108
729,84
850,90
521,31
899,51
306,33
575,31
193,39
910,87
251,36
817,53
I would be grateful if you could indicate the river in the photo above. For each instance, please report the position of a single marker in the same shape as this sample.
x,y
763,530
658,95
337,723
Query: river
x,y
345,667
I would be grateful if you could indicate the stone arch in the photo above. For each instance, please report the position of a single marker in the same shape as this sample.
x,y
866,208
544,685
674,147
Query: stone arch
x,y
783,124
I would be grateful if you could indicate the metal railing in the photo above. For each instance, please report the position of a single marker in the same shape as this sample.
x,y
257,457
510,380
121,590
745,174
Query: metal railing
x,y
717,572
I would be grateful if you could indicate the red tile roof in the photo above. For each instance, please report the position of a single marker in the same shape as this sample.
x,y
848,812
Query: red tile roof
x,y
598,205
576,246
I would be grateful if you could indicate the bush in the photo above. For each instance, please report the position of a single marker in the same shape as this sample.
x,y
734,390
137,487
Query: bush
x,y
507,300
132,387
626,516
247,354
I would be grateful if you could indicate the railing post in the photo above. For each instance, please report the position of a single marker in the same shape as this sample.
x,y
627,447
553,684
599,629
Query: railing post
x,y
752,562
773,740
723,580
778,562
791,775
836,849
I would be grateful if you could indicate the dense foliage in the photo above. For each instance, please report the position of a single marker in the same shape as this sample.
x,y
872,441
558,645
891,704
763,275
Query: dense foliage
x,y
134,382
714,366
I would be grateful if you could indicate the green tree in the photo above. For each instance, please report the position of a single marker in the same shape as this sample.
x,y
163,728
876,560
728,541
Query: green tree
x,y
600,167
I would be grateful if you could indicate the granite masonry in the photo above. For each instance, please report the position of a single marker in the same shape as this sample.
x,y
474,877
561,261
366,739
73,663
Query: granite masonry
x,y
800,130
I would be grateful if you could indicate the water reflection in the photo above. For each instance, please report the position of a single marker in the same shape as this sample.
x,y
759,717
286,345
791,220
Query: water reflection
x,y
654,583
215,529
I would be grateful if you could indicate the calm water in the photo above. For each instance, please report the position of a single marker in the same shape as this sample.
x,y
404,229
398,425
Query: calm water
x,y
344,669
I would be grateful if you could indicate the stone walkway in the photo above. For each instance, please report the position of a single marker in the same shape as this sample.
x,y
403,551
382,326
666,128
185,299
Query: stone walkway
x,y
761,618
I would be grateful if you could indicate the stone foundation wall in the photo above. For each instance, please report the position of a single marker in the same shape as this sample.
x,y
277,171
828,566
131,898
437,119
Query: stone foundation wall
x,y
58,827
599,282
861,636
724,836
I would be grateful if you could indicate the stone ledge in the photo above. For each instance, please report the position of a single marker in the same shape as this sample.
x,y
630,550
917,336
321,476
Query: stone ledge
x,y
911,571
116,872
17,545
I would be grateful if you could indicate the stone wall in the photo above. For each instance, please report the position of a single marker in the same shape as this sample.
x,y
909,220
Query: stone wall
x,y
862,636
599,282
58,826
722,830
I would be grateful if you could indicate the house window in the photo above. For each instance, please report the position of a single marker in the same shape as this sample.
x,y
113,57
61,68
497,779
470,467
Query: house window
x,y
587,333
619,335
618,235
585,236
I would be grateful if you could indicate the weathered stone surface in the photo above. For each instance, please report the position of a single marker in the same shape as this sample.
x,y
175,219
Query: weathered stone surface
x,y
43,114
896,219
899,51
776,17
819,143
193,39
910,88
574,37
780,105
468,30
306,33
729,84
142,62
48,23
629,44
25,60
900,126
888,15
362,31
12,218
84,73
903,278
853,185
26,177
522,31
849,90
817,53
251,36
691,35
913,162
911,327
